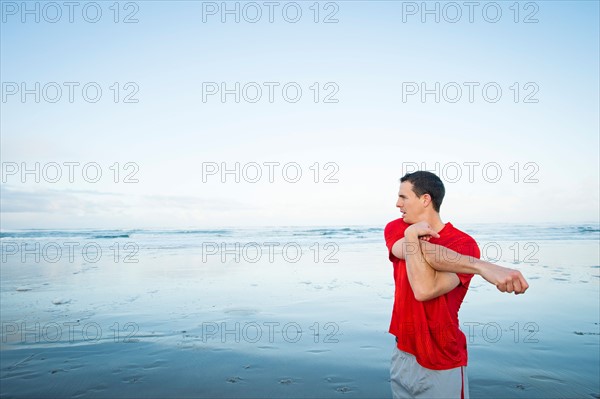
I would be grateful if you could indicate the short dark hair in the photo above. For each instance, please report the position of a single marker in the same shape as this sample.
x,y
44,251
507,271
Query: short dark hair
x,y
424,182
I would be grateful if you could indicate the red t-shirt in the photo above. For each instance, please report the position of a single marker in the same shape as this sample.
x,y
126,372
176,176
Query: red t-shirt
x,y
430,329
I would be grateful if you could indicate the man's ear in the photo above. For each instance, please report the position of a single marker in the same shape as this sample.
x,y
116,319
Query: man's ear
x,y
426,198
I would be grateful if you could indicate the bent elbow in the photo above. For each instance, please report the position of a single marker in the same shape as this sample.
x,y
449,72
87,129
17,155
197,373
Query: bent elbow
x,y
423,295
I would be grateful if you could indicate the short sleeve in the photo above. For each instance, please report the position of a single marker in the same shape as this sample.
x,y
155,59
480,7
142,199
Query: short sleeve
x,y
393,232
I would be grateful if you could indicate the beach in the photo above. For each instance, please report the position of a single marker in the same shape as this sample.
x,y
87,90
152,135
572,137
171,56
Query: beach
x,y
292,312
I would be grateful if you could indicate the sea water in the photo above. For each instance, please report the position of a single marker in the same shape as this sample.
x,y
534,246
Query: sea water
x,y
279,312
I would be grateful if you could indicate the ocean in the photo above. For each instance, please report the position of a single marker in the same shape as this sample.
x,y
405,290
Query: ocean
x,y
279,311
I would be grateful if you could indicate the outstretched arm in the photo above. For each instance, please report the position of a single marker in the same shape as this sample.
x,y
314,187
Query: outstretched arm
x,y
443,259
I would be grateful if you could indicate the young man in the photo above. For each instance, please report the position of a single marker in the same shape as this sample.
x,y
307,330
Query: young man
x,y
433,266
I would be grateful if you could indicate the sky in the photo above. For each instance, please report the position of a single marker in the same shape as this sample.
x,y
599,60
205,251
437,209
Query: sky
x,y
155,114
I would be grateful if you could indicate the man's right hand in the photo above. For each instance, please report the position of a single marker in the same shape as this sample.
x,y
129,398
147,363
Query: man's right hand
x,y
505,279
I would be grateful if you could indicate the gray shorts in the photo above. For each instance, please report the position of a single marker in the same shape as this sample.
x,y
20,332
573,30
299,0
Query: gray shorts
x,y
411,380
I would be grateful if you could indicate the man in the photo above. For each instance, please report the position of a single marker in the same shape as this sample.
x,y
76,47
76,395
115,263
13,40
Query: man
x,y
433,266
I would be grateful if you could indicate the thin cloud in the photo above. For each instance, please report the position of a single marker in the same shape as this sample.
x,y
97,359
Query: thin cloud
x,y
67,201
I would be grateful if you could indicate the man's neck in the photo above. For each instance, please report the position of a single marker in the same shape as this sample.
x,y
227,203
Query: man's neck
x,y
435,222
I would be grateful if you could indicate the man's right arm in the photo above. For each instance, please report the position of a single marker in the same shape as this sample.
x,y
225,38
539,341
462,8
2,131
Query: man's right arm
x,y
443,259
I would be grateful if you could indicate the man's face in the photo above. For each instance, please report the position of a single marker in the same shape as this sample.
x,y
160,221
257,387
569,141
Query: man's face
x,y
410,205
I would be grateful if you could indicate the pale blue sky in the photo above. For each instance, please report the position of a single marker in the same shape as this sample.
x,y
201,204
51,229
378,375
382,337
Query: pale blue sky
x,y
369,133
